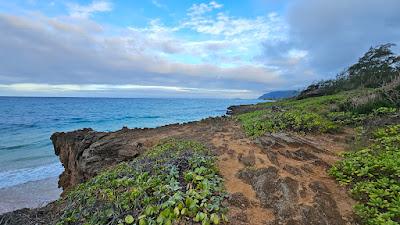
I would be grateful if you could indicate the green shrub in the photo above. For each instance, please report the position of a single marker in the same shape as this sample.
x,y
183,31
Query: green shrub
x,y
320,105
259,122
305,115
175,182
384,111
352,118
349,118
373,173
372,105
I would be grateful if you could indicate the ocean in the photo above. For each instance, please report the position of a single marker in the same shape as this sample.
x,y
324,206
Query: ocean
x,y
26,124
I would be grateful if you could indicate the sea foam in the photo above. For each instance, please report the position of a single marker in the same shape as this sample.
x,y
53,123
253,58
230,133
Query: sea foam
x,y
20,176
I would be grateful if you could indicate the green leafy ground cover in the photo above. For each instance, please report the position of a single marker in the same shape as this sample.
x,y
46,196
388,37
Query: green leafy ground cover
x,y
175,182
373,174
259,122
316,114
306,115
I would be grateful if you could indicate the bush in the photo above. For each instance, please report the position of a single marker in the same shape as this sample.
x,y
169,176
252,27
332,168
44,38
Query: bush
x,y
259,122
373,174
347,118
175,182
320,105
353,118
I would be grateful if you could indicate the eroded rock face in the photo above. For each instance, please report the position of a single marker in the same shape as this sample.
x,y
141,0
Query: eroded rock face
x,y
291,180
324,210
249,159
282,195
273,191
85,152
239,200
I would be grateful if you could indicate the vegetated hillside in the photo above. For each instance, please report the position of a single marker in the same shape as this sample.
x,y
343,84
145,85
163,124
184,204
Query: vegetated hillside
x,y
371,170
332,156
365,98
377,68
273,95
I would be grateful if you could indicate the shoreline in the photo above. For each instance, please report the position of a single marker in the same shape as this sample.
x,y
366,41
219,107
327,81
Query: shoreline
x,y
44,191
29,195
15,197
86,152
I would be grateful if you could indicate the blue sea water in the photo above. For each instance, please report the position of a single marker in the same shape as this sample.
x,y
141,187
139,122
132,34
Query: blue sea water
x,y
26,124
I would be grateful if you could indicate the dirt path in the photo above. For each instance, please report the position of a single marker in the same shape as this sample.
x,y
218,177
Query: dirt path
x,y
282,178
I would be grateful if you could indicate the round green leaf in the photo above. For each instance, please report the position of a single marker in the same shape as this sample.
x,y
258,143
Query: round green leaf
x,y
129,219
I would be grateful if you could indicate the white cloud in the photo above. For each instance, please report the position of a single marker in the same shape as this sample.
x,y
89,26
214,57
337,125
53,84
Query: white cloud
x,y
202,8
229,40
297,53
158,4
79,51
85,11
55,50
215,5
41,87
200,19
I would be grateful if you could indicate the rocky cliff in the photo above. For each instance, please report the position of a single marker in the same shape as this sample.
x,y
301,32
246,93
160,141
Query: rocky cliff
x,y
84,152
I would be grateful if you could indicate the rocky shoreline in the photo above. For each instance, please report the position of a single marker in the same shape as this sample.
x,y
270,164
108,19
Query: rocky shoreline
x,y
272,179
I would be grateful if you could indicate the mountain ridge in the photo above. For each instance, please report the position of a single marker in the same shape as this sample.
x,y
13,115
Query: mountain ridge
x,y
275,95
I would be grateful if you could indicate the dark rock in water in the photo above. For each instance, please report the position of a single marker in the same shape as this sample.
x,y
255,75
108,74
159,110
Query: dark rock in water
x,y
237,109
240,109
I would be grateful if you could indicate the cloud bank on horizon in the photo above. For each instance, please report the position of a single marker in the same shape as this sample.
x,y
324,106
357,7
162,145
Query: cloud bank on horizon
x,y
158,48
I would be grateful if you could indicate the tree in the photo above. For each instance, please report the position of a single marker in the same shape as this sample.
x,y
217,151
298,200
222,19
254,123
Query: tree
x,y
378,66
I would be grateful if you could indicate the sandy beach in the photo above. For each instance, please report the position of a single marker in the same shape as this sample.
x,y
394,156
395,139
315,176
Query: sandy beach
x,y
29,195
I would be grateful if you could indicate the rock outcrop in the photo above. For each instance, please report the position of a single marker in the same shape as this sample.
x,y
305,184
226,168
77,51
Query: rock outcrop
x,y
281,178
84,152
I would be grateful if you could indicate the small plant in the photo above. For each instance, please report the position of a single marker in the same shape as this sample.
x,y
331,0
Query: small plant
x,y
175,182
373,174
384,111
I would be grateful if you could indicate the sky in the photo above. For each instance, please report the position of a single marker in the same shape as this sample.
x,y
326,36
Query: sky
x,y
182,48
